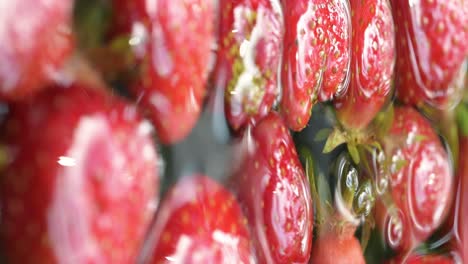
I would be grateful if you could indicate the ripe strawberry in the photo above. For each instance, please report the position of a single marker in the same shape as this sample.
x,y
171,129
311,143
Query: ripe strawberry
x,y
272,187
316,56
175,41
200,222
421,180
36,40
80,182
332,248
249,52
431,46
372,62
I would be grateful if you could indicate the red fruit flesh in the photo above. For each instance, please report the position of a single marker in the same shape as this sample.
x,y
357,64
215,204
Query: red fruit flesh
x,y
372,63
175,61
272,187
421,179
81,182
331,248
200,222
249,52
316,56
35,37
431,46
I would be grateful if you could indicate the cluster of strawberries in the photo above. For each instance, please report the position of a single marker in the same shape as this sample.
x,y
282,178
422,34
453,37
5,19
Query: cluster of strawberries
x,y
80,170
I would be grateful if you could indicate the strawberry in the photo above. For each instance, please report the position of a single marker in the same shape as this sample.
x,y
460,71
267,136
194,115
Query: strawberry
x,y
337,219
173,40
271,185
372,62
316,56
332,248
431,46
83,190
36,39
199,221
249,52
421,180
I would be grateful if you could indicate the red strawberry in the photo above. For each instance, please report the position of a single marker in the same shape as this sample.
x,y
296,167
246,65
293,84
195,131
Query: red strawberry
x,y
173,39
274,190
372,61
431,46
332,248
316,56
36,40
421,180
81,181
200,222
250,36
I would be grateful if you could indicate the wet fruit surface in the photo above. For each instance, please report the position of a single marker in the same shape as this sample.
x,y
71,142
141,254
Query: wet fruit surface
x,y
201,222
421,179
249,54
372,61
272,186
81,180
316,56
431,42
243,131
173,46
32,49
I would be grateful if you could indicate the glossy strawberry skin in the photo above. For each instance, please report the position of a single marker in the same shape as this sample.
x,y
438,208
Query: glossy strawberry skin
x,y
422,185
331,248
372,63
271,185
81,182
175,57
249,52
431,46
200,221
36,40
316,56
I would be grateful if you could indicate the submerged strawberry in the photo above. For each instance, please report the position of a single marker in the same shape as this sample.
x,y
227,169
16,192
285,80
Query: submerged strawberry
x,y
249,52
36,40
332,248
81,180
372,62
431,46
272,187
316,56
200,222
421,180
172,40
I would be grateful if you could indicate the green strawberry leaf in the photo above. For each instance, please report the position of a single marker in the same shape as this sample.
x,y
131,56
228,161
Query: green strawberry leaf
x,y
367,228
383,121
353,152
399,164
323,134
335,139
